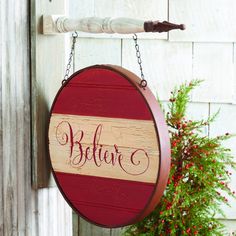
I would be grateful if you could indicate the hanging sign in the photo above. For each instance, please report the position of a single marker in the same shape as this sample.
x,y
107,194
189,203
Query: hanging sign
x,y
109,146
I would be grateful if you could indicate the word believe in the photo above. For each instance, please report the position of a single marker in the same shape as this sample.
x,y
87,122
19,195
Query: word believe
x,y
80,153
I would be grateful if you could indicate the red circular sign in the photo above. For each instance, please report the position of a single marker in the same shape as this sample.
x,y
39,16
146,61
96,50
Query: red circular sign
x,y
109,146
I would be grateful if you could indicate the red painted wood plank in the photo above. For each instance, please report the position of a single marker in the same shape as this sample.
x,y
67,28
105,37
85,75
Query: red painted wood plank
x,y
104,93
105,201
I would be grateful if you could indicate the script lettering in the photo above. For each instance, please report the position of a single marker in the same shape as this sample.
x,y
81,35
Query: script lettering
x,y
81,153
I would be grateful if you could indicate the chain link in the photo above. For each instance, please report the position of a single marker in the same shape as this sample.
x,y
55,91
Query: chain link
x,y
71,57
143,82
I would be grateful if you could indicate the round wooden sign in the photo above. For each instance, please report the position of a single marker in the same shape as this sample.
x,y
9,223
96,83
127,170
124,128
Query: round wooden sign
x,y
109,146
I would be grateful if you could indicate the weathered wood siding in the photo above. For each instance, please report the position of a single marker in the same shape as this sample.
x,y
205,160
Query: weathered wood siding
x,y
15,184
23,211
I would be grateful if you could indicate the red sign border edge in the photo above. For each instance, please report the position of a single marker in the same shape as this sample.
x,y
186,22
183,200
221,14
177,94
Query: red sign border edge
x,y
162,136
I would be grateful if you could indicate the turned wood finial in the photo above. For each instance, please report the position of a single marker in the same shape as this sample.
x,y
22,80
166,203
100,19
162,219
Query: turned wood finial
x,y
165,26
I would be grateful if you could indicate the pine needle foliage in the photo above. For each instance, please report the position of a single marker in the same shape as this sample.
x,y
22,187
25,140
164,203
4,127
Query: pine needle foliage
x,y
198,180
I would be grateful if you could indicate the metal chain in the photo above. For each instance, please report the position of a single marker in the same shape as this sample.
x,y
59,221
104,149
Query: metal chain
x,y
143,82
71,57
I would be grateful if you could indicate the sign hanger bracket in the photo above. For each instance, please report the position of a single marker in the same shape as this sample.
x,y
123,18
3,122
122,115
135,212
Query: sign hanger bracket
x,y
54,24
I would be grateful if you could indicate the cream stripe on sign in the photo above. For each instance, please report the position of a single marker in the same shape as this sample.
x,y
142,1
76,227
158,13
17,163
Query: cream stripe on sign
x,y
105,147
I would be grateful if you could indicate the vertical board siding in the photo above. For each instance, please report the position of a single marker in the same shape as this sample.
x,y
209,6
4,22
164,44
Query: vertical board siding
x,y
213,63
165,64
15,119
54,215
9,142
206,21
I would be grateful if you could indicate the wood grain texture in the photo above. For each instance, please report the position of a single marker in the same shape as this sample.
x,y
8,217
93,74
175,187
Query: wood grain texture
x,y
54,215
15,123
214,64
128,135
206,21
165,64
